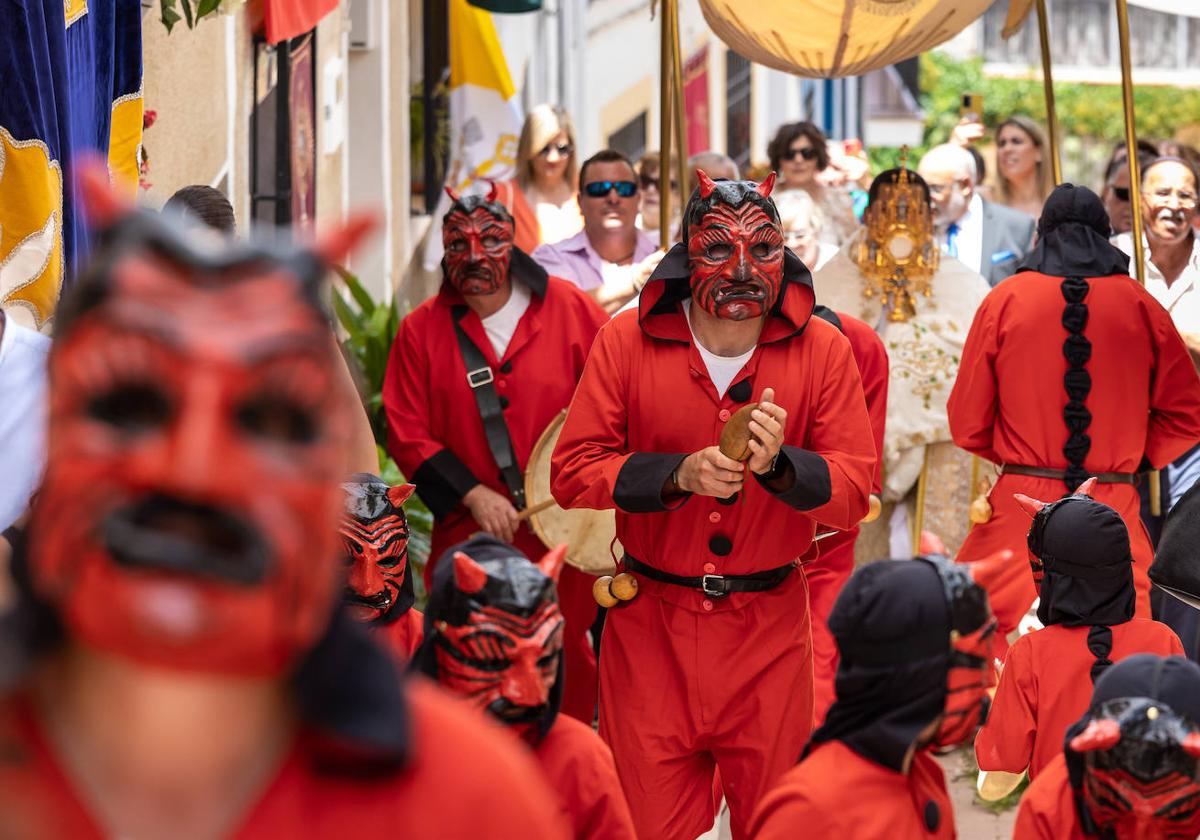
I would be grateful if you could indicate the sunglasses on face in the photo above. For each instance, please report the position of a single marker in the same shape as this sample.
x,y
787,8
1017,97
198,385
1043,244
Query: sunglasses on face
x,y
563,149
808,153
651,182
599,189
1120,193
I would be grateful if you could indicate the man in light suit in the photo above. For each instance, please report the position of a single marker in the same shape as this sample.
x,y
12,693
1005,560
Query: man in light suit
x,y
986,236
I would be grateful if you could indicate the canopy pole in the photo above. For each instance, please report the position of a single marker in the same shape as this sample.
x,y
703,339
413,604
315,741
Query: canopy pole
x,y
664,126
1048,87
1135,193
681,150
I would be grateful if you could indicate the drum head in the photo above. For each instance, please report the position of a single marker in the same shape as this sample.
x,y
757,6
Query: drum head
x,y
590,535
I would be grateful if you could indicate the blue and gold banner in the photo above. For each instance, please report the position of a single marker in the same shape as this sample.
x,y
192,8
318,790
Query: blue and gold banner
x,y
70,82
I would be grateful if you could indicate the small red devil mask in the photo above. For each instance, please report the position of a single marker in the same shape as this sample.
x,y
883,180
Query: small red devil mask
x,y
477,235
374,534
498,635
187,515
969,674
1140,771
735,247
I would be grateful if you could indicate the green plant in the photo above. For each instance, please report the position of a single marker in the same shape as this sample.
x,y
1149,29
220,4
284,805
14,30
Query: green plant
x,y
370,329
170,16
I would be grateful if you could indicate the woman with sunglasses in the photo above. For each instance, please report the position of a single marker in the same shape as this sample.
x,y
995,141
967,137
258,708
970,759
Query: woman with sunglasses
x,y
798,152
543,199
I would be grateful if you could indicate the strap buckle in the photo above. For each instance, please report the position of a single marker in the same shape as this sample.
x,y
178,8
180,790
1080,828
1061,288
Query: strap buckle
x,y
479,377
713,586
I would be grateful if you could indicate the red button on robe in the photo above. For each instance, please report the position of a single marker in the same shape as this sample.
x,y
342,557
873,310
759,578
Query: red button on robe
x,y
830,571
579,767
1007,407
1046,686
465,780
838,794
436,436
1047,810
689,682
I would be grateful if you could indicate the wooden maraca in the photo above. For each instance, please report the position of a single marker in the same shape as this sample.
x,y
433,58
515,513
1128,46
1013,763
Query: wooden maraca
x,y
735,434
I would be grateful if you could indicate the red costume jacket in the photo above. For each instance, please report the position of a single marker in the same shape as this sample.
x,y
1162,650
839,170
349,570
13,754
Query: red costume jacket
x,y
436,436
579,767
1046,686
678,667
830,571
836,793
1047,810
464,781
1007,407
402,636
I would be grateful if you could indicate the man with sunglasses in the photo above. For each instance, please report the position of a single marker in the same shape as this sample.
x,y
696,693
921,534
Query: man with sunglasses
x,y
1116,190
603,259
1172,272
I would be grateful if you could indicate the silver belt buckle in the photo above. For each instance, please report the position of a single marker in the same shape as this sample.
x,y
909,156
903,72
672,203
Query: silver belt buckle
x,y
707,589
479,377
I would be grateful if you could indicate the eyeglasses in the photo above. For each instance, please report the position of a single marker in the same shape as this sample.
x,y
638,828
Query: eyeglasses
x,y
1187,200
563,149
599,189
808,153
1121,193
651,182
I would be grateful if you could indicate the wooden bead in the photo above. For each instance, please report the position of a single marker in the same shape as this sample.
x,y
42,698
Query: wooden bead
x,y
874,508
980,510
602,592
624,587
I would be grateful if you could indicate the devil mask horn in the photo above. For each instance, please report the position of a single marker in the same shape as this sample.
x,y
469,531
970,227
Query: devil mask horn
x,y
707,185
767,186
469,576
1029,505
1087,487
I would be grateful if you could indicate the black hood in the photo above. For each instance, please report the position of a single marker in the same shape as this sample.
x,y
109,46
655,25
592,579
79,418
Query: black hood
x,y
892,624
1072,237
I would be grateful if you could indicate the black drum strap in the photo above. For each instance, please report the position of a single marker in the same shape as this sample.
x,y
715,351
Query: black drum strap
x,y
480,379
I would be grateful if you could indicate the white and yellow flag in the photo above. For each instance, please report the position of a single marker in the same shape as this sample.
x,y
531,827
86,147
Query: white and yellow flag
x,y
485,116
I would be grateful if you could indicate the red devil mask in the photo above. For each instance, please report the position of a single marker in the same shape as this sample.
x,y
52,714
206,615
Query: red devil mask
x,y
1139,771
477,235
969,675
187,515
375,538
735,247
494,633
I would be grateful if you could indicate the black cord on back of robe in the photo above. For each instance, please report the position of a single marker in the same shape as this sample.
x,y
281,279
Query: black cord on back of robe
x,y
1077,381
1100,642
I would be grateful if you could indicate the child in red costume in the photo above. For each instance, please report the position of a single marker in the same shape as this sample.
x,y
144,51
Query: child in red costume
x,y
494,635
1129,767
188,671
1079,550
379,587
913,637
710,665
1071,369
828,573
529,334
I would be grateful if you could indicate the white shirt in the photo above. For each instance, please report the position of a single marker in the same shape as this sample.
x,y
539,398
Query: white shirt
x,y
968,239
1181,298
502,323
721,369
22,417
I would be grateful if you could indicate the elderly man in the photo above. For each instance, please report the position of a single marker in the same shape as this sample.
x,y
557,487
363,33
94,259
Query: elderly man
x,y
603,258
988,237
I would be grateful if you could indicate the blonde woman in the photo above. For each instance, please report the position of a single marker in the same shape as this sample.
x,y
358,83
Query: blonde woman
x,y
547,170
1024,177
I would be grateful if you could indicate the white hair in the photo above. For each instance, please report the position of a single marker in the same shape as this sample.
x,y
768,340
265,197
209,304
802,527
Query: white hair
x,y
794,204
952,157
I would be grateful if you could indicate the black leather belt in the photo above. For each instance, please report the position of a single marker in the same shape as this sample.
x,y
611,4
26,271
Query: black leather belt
x,y
714,586
1048,472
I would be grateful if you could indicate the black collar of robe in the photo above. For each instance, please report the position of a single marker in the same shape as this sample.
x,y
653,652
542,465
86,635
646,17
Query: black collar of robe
x,y
445,598
892,626
1073,235
1173,680
671,282
1088,577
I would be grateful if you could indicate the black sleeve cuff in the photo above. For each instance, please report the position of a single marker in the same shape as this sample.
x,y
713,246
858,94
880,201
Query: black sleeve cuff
x,y
812,487
442,480
640,482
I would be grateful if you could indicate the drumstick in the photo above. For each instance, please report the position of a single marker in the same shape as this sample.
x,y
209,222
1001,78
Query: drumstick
x,y
535,509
